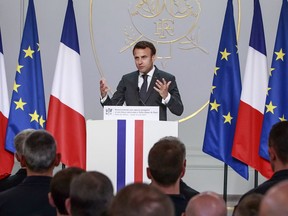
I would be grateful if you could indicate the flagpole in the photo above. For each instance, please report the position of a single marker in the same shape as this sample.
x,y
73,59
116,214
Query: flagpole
x,y
225,182
256,178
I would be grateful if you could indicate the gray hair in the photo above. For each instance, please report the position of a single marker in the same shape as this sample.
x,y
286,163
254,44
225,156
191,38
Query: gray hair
x,y
19,140
39,151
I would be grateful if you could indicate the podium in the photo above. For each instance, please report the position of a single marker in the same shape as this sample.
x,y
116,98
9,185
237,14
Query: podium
x,y
119,148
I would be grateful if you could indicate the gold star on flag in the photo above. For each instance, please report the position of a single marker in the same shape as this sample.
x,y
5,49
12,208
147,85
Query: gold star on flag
x,y
271,70
28,52
270,107
16,86
225,55
18,68
41,121
268,89
282,118
214,106
215,70
280,55
227,118
20,104
34,116
212,89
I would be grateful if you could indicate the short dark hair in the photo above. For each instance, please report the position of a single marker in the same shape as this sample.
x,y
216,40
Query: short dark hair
x,y
166,160
144,45
39,151
60,186
249,205
91,193
140,199
278,139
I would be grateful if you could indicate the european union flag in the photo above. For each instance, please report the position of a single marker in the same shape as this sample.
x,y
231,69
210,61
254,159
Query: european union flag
x,y
277,93
225,98
27,109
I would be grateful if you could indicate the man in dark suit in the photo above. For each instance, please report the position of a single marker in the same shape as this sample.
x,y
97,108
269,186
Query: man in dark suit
x,y
165,169
278,153
148,86
21,174
31,196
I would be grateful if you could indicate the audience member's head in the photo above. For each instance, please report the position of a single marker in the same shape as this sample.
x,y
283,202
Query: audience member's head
x,y
91,193
141,200
19,141
206,204
275,200
278,146
249,205
60,188
39,153
166,161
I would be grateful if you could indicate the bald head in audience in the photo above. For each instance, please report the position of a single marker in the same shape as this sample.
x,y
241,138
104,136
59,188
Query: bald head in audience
x,y
206,204
275,202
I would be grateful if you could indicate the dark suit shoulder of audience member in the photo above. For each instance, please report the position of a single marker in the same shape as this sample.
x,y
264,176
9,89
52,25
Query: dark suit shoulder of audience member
x,y
187,191
13,180
21,174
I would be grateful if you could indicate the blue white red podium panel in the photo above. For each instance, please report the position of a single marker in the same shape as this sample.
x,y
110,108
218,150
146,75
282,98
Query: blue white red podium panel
x,y
119,148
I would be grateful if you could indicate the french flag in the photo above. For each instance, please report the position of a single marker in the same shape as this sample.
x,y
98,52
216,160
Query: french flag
x,y
66,119
252,103
6,157
120,148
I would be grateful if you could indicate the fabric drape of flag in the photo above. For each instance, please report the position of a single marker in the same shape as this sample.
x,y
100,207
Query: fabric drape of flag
x,y
251,109
27,108
277,92
224,99
6,157
66,119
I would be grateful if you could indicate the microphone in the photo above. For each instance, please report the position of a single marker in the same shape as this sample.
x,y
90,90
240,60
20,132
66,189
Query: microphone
x,y
140,99
119,101
122,98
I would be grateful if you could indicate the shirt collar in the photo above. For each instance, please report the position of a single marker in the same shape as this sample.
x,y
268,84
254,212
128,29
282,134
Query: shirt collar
x,y
150,73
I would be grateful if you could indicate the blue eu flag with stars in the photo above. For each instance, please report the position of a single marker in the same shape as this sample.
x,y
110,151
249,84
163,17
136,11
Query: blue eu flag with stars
x,y
225,98
276,107
27,108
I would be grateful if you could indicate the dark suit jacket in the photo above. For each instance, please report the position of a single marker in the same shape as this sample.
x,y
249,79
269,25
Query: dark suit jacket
x,y
187,191
180,203
28,198
13,180
265,186
277,177
128,91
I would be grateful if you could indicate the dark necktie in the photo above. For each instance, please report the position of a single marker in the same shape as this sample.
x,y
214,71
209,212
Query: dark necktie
x,y
143,89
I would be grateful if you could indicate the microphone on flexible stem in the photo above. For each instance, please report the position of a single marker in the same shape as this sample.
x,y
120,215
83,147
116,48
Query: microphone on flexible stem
x,y
119,101
140,99
122,99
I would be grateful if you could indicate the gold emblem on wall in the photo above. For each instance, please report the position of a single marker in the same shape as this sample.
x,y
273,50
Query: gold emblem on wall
x,y
164,22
